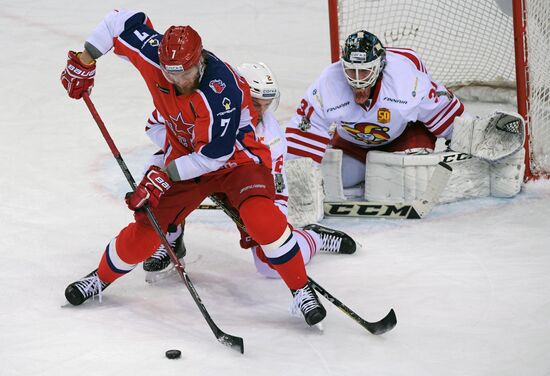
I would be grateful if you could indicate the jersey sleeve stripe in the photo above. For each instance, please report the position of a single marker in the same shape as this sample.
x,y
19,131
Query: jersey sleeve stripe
x,y
311,136
439,130
442,113
303,153
307,143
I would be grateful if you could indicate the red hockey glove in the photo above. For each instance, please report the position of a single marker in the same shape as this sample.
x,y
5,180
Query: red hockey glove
x,y
246,241
77,77
154,184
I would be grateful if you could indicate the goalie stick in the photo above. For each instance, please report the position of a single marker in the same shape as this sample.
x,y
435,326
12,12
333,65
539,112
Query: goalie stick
x,y
234,342
377,327
415,210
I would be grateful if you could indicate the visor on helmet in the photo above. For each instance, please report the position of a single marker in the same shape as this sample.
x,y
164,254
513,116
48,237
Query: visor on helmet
x,y
362,75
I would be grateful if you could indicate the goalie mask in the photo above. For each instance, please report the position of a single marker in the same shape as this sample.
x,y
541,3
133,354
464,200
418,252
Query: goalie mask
x,y
262,82
363,59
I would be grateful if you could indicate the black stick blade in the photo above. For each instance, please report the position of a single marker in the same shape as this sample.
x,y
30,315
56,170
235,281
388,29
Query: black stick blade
x,y
380,327
236,343
377,327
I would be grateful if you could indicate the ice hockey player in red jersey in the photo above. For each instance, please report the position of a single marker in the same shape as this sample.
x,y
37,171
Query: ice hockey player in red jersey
x,y
313,238
210,147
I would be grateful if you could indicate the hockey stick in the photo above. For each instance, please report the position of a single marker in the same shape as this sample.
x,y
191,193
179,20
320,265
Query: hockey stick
x,y
415,210
378,327
208,207
234,342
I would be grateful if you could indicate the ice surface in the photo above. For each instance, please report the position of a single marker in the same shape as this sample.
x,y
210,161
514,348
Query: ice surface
x,y
470,284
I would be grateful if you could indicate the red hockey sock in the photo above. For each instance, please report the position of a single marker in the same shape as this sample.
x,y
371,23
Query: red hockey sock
x,y
268,226
133,244
293,272
262,219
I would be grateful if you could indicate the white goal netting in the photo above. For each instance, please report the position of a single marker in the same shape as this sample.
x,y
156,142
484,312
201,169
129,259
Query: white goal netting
x,y
466,42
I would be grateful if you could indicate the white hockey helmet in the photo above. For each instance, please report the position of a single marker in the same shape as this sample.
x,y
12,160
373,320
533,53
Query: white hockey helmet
x,y
262,81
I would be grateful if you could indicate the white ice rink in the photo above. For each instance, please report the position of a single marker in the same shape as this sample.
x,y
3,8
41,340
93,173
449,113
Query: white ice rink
x,y
470,284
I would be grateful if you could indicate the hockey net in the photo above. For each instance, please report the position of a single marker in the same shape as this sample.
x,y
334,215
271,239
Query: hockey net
x,y
465,43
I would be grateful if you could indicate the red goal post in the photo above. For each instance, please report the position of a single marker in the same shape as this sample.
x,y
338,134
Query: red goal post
x,y
465,43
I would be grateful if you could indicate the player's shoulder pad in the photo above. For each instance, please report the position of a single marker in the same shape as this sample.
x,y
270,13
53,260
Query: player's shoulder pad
x,y
331,90
406,55
404,66
220,86
139,35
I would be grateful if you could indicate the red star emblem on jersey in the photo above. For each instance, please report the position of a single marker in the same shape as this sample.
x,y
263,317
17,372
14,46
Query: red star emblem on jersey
x,y
182,130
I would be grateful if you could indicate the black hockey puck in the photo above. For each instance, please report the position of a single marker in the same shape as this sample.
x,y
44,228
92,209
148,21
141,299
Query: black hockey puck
x,y
173,354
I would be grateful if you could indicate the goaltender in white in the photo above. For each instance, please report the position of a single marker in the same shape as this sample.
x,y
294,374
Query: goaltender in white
x,y
375,115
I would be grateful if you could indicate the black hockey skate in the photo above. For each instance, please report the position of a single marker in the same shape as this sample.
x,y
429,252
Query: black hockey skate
x,y
306,300
83,289
159,265
334,241
160,259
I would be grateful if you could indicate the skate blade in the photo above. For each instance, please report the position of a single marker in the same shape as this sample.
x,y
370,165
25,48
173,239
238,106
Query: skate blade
x,y
154,277
319,326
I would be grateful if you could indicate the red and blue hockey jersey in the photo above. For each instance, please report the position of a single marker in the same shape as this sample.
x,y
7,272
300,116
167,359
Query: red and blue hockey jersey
x,y
208,131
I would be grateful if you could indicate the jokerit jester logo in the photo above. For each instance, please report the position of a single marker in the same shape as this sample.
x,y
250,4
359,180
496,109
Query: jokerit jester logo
x,y
371,134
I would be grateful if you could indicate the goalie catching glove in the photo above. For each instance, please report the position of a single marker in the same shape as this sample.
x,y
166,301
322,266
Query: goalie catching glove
x,y
492,138
154,184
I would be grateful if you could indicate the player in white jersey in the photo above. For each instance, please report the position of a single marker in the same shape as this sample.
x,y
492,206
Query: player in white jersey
x,y
384,99
378,98
312,238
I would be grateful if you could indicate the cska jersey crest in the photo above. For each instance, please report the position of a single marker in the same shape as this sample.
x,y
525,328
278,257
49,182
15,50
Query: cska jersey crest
x,y
181,129
217,86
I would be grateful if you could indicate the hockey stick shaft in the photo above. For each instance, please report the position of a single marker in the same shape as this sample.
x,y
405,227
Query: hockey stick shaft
x,y
226,339
378,327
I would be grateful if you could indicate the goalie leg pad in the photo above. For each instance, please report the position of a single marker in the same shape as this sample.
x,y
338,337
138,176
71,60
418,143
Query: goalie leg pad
x,y
305,191
397,177
353,171
392,177
507,175
331,167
